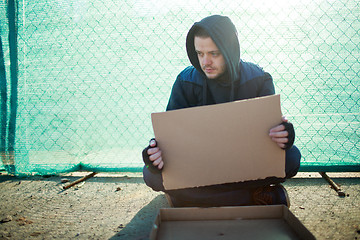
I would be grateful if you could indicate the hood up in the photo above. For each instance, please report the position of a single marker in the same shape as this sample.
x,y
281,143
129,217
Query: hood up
x,y
223,32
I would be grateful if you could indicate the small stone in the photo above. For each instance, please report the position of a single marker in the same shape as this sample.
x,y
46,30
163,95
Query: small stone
x,y
23,221
65,180
79,185
35,234
118,189
8,218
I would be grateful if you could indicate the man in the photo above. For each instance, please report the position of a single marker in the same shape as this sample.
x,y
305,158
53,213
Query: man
x,y
218,75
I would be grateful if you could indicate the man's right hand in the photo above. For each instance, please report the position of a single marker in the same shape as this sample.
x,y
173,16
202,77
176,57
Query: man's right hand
x,y
155,154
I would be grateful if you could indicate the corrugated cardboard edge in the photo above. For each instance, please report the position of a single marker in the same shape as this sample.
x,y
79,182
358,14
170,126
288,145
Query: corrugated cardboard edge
x,y
231,213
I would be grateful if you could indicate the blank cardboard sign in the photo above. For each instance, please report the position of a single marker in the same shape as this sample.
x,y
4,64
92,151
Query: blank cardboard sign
x,y
221,143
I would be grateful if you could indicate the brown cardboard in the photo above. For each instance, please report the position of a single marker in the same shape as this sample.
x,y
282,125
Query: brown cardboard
x,y
246,222
220,143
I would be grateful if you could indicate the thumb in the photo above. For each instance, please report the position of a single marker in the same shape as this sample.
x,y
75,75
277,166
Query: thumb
x,y
153,142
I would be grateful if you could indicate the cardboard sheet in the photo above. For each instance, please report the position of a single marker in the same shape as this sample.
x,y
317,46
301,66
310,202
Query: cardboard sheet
x,y
222,143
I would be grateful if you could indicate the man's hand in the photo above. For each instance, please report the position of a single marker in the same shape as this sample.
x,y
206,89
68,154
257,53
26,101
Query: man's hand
x,y
155,155
279,135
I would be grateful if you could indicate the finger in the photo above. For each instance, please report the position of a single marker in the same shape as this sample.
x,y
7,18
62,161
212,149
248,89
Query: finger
x,y
152,143
281,145
278,128
284,119
161,165
157,161
155,156
279,134
280,140
151,151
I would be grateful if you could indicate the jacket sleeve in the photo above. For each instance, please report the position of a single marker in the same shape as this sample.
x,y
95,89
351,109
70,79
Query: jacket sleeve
x,y
267,86
178,98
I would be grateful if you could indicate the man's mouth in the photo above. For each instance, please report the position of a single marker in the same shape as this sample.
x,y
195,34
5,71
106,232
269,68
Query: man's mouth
x,y
209,70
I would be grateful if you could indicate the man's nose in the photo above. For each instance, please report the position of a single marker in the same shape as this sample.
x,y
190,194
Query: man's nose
x,y
206,60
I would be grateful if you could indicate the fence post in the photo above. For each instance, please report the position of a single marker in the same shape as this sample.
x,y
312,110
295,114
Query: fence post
x,y
3,107
12,18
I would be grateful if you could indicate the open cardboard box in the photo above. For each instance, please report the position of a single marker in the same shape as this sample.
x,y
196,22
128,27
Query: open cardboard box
x,y
219,144
244,222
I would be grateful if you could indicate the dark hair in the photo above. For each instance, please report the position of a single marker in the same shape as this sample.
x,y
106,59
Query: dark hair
x,y
201,32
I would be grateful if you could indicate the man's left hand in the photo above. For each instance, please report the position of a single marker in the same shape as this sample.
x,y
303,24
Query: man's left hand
x,y
279,135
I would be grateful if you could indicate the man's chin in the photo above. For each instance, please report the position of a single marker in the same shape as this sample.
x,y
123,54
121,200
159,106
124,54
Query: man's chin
x,y
212,76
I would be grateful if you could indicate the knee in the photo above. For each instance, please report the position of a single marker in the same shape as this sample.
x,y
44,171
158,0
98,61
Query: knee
x,y
153,180
292,163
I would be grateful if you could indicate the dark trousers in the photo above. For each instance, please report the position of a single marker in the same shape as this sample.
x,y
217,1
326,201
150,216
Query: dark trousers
x,y
230,194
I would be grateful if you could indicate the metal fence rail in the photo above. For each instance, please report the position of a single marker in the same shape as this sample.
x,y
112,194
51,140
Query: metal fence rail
x,y
90,73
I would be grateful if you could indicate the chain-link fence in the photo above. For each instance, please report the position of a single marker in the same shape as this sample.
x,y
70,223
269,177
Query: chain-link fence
x,y
90,73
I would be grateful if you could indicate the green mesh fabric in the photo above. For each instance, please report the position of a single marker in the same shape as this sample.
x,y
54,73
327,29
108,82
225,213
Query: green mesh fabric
x,y
90,73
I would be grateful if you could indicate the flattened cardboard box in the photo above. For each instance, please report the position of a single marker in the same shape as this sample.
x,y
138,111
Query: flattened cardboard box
x,y
246,222
221,143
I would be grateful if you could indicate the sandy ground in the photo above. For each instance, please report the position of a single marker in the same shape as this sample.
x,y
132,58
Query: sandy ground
x,y
121,206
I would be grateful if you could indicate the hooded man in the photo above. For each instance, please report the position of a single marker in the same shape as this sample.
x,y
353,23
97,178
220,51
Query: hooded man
x,y
218,75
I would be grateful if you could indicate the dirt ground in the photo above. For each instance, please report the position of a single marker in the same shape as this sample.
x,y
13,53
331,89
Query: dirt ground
x,y
121,206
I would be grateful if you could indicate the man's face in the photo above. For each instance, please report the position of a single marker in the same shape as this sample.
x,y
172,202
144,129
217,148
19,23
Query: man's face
x,y
210,58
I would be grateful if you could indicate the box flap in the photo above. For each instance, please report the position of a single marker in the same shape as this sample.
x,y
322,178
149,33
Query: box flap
x,y
270,229
222,213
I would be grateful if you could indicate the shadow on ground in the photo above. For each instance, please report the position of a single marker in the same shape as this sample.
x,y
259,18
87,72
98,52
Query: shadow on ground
x,y
140,226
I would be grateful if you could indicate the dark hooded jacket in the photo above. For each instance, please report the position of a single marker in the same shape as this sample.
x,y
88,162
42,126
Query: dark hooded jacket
x,y
246,80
